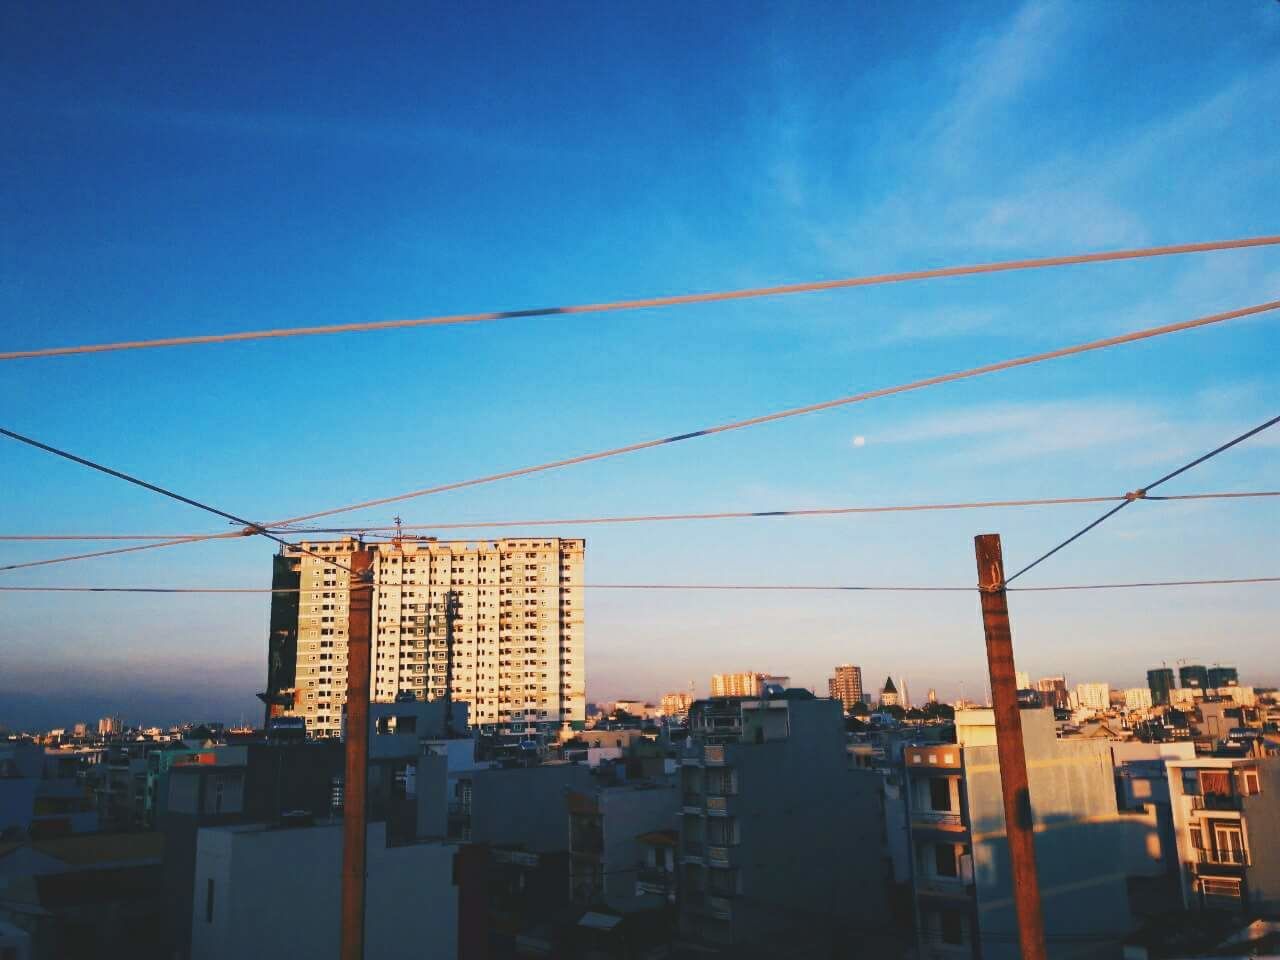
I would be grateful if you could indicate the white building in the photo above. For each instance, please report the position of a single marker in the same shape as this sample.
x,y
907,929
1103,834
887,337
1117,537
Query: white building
x,y
516,634
1137,698
264,892
1093,696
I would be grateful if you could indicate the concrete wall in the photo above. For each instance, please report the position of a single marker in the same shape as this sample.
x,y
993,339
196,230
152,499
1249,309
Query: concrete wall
x,y
276,893
1262,821
525,806
1080,837
809,852
628,812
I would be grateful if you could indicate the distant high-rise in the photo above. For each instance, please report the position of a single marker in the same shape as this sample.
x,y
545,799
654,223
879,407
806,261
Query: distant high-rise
x,y
933,695
109,725
1054,692
889,696
1137,698
846,686
735,684
1193,677
1223,677
1093,696
676,704
1160,682
512,646
1023,680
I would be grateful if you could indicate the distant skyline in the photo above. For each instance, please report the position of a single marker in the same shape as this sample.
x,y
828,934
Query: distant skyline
x,y
174,171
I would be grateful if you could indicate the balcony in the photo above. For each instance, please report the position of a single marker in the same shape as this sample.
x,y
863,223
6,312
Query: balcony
x,y
713,755
938,819
1215,801
694,851
1223,857
718,856
718,806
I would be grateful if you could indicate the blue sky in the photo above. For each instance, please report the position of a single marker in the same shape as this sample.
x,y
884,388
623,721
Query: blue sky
x,y
176,171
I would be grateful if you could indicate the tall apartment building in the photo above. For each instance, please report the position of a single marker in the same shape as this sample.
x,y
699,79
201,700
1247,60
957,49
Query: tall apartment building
x,y
1053,692
735,684
676,704
1137,698
1093,696
846,685
1160,682
962,878
515,637
1220,677
1193,676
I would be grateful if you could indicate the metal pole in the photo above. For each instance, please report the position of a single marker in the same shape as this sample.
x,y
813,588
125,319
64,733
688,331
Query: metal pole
x,y
354,810
1013,761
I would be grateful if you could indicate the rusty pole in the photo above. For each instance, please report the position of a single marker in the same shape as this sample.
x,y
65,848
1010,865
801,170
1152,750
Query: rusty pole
x,y
1013,760
354,811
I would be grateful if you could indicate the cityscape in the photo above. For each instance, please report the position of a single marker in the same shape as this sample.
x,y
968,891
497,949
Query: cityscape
x,y
640,482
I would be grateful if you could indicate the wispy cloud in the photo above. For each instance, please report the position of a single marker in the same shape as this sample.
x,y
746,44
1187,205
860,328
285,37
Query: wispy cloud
x,y
1133,433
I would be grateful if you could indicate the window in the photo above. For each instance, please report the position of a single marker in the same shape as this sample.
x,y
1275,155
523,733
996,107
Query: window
x,y
1197,838
940,793
208,902
945,861
1249,783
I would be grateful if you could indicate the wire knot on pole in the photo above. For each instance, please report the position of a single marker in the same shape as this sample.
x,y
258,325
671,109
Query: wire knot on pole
x,y
252,530
1139,494
991,587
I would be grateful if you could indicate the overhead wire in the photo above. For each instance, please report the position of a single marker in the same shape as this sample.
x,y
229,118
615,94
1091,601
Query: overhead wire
x,y
1106,342
652,302
1133,337
761,587
649,518
249,528
1141,493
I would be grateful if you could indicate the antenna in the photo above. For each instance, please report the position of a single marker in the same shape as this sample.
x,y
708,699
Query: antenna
x,y
398,539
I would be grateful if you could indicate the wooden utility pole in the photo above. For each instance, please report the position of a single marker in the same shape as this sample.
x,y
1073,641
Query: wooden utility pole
x,y
1009,747
355,816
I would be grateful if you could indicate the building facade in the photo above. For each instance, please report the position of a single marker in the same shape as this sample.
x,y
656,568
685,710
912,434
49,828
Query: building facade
x,y
676,704
962,878
889,696
1093,696
846,686
1137,698
779,833
1193,676
1226,813
735,684
1220,677
496,623
1160,682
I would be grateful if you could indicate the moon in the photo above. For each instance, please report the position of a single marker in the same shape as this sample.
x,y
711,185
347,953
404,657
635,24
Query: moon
x,y
859,441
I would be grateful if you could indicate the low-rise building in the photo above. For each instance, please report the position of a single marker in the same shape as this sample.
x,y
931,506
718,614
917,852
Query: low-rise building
x,y
962,880
780,837
263,891
617,858
1227,817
